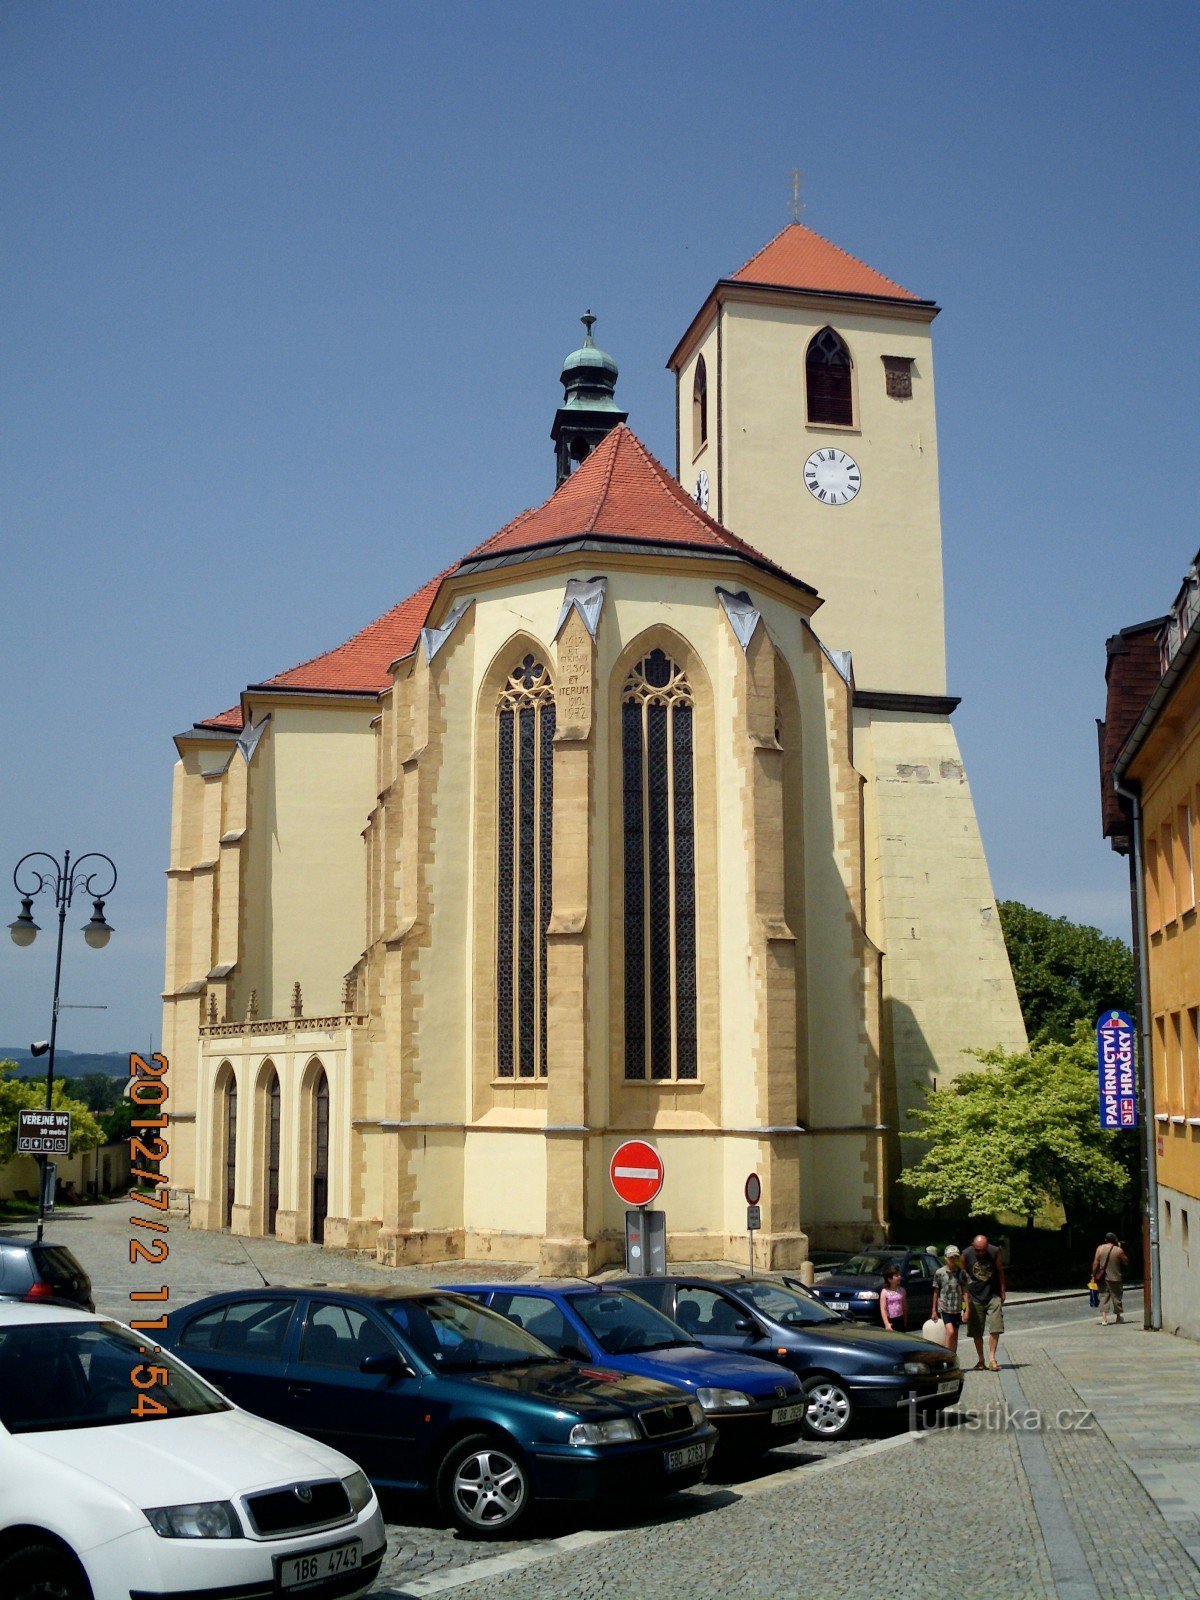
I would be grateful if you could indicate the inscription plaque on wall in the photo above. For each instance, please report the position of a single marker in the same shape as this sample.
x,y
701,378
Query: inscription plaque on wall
x,y
573,683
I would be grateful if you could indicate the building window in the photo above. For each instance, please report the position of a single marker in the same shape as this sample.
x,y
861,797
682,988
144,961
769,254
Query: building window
x,y
830,399
1153,895
230,1103
700,407
1185,874
274,1106
660,873
525,800
1166,860
898,376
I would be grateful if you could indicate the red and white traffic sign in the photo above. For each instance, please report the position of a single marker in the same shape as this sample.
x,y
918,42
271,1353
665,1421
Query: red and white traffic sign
x,y
636,1172
753,1189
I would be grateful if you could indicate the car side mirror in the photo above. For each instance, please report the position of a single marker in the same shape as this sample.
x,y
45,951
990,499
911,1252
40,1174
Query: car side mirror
x,y
570,1351
385,1363
746,1325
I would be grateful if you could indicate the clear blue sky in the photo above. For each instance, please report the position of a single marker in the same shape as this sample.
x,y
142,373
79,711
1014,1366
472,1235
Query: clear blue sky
x,y
285,289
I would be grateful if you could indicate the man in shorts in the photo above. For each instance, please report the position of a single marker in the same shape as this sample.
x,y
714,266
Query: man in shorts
x,y
949,1286
986,1294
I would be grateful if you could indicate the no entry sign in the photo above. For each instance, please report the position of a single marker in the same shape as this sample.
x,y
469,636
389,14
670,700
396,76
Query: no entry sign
x,y
636,1172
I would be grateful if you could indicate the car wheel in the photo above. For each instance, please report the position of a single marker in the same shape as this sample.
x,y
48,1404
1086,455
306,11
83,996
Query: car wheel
x,y
42,1572
828,1408
484,1485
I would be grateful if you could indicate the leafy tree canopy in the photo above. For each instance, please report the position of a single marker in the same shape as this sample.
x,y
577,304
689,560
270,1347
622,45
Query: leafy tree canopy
x,y
1065,972
16,1096
1020,1135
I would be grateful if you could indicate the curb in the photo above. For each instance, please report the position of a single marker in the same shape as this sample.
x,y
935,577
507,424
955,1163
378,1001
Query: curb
x,y
1065,1294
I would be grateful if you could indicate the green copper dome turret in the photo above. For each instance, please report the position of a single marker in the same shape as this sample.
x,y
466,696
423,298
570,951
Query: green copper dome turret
x,y
589,410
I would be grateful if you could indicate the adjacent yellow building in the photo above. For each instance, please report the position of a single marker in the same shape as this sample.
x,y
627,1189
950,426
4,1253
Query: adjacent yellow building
x,y
1151,747
638,819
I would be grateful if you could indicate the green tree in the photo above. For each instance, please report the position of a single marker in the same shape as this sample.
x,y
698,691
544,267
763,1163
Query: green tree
x,y
1065,972
1022,1134
16,1096
97,1091
117,1124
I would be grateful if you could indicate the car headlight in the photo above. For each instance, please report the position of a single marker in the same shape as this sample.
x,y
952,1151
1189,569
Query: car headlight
x,y
358,1488
213,1519
618,1430
866,1294
915,1369
722,1399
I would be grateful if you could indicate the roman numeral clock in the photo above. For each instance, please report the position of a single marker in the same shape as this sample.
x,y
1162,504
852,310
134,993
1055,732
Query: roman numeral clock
x,y
832,476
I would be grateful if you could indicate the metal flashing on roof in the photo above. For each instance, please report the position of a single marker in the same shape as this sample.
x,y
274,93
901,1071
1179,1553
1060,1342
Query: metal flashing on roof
x,y
742,614
585,595
432,639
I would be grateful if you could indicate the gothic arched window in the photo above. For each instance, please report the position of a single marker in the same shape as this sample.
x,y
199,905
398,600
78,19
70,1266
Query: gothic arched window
x,y
700,406
525,819
660,871
827,371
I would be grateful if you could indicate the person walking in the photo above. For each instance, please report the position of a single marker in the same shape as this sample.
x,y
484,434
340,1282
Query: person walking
x,y
986,1294
893,1302
949,1286
1108,1274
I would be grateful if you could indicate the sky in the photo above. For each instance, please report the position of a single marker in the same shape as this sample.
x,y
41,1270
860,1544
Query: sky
x,y
284,296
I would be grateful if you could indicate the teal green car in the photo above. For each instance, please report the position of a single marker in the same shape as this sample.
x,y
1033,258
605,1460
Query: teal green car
x,y
427,1390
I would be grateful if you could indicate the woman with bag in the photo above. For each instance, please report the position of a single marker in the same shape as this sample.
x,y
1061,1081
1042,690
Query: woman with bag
x,y
1108,1274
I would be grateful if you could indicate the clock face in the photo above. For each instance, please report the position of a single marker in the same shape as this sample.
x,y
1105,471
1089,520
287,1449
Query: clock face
x,y
701,495
832,476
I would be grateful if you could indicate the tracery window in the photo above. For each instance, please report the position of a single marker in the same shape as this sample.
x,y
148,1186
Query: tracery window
x,y
700,406
660,873
525,801
827,373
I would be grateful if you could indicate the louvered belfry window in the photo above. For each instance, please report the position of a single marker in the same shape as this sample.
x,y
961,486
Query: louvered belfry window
x,y
525,800
830,396
660,871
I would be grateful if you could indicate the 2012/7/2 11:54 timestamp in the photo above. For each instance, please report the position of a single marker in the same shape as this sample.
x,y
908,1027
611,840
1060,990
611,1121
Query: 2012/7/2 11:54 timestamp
x,y
148,1149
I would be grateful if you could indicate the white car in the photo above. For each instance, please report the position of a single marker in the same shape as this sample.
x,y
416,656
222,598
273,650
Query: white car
x,y
125,1476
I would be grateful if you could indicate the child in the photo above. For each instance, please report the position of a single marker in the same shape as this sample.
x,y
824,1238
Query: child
x,y
893,1302
949,1287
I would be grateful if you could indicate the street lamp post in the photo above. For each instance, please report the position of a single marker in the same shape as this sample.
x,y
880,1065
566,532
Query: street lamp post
x,y
60,879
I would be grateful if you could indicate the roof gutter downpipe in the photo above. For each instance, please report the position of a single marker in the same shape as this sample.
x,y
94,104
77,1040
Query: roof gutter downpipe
x,y
1131,794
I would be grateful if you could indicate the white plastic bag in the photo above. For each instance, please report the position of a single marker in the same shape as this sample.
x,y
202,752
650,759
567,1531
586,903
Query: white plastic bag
x,y
934,1331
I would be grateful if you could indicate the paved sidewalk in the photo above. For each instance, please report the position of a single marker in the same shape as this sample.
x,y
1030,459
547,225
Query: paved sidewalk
x,y
1077,1469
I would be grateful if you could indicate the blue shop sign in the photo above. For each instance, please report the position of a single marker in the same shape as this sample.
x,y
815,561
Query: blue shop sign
x,y
1118,1081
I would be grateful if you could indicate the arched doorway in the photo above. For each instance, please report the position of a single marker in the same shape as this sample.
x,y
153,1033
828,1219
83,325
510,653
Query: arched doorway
x,y
273,1122
320,1180
230,1097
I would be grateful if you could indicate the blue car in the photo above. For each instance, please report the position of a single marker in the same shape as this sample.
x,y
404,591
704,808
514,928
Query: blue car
x,y
754,1404
426,1390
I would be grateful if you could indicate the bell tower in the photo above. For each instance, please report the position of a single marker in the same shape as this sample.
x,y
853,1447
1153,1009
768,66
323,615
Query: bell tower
x,y
805,415
589,410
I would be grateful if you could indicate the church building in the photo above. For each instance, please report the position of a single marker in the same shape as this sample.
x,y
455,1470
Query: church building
x,y
645,817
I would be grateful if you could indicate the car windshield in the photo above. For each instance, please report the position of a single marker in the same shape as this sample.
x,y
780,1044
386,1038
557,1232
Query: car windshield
x,y
456,1335
620,1323
91,1375
785,1305
870,1263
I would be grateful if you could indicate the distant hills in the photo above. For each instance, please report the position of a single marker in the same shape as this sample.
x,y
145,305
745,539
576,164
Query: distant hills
x,y
69,1063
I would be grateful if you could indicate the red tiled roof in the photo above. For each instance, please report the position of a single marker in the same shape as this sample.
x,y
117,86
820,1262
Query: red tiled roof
x,y
619,493
1132,674
798,258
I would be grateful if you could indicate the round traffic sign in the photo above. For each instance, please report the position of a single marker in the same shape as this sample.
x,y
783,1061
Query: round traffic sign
x,y
636,1172
753,1189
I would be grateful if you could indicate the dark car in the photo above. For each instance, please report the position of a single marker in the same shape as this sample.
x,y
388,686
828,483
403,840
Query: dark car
x,y
427,1390
752,1404
853,1288
43,1273
844,1368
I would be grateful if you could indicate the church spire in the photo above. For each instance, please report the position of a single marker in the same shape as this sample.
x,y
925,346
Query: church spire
x,y
589,410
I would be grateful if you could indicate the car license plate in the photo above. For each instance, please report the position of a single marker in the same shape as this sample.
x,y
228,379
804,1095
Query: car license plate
x,y
690,1456
783,1414
948,1388
839,1305
297,1572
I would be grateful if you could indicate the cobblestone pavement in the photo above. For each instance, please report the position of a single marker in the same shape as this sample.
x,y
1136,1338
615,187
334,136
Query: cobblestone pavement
x,y
864,1519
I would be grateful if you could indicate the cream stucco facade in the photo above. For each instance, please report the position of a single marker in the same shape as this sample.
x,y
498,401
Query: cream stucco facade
x,y
338,986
